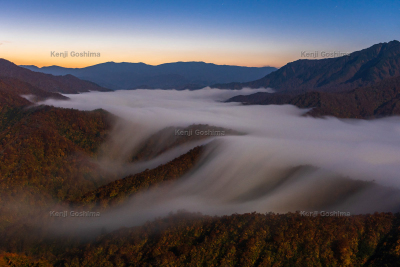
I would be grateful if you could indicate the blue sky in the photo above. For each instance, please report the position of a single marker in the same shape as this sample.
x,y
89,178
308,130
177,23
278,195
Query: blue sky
x,y
248,33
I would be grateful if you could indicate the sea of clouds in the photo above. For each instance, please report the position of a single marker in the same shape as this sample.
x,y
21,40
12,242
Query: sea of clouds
x,y
284,162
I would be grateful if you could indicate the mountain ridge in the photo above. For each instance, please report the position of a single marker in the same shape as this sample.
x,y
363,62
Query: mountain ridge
x,y
175,75
359,69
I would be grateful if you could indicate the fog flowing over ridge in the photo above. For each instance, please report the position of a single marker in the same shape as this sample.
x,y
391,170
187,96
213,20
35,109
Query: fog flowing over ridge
x,y
284,161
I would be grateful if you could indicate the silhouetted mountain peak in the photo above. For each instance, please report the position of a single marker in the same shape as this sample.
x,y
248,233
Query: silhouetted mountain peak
x,y
360,68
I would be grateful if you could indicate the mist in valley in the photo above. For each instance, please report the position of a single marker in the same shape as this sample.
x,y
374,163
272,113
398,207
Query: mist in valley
x,y
282,162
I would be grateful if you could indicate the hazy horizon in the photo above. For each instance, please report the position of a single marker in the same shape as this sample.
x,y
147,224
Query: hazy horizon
x,y
148,64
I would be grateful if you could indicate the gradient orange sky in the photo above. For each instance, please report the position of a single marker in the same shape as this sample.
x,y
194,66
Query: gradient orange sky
x,y
30,49
41,56
245,33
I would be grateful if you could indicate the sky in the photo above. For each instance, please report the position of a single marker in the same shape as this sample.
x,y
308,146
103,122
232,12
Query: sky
x,y
246,33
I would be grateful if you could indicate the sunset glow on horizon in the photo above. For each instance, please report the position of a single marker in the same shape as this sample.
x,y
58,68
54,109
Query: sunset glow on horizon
x,y
244,33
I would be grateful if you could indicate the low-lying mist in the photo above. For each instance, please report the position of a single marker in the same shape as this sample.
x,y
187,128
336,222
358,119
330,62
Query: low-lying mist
x,y
284,162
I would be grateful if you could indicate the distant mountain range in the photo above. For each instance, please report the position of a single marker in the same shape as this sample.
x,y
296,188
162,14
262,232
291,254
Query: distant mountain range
x,y
365,84
359,69
178,75
46,82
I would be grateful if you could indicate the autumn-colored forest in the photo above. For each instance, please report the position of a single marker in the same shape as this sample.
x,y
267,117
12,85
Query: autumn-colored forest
x,y
46,161
187,239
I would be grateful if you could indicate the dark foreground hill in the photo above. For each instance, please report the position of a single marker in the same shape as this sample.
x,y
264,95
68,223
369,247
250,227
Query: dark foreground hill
x,y
379,100
359,69
178,75
186,239
12,88
63,84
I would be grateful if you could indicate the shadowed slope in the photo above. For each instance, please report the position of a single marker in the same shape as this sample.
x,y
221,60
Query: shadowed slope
x,y
119,190
381,99
64,84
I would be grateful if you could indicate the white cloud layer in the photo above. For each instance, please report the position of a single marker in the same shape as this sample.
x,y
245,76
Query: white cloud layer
x,y
256,171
